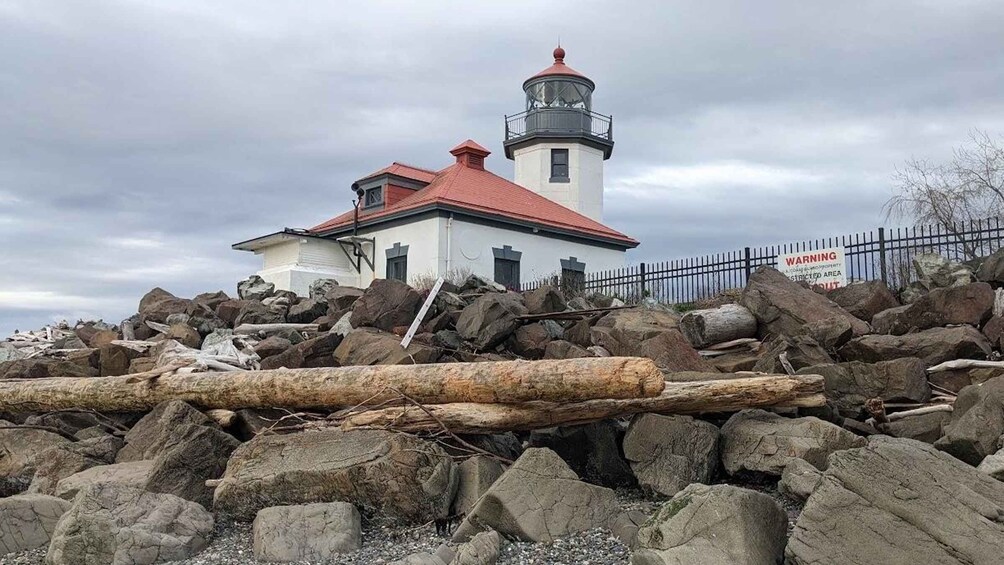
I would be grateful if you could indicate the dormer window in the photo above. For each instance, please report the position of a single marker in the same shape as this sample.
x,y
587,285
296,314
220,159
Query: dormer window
x,y
373,197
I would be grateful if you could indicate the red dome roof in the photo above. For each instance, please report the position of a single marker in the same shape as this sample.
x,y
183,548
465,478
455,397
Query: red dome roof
x,y
559,68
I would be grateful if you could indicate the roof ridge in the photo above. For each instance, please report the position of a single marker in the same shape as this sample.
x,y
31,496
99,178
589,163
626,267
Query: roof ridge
x,y
423,169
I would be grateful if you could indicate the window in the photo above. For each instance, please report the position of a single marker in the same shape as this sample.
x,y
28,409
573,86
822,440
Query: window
x,y
507,267
373,197
397,262
573,276
559,165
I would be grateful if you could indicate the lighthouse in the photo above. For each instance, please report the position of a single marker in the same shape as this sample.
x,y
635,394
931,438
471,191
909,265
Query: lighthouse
x,y
558,143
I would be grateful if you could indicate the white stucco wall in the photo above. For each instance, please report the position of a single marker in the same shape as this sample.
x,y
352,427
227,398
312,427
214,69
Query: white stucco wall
x,y
424,254
293,265
471,246
584,191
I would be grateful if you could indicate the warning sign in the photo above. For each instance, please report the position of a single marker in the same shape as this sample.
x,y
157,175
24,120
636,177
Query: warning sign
x,y
822,267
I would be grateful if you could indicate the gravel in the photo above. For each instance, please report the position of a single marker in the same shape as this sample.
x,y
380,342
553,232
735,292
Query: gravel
x,y
383,544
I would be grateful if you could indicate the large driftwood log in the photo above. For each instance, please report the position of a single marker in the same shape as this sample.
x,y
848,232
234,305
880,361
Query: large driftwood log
x,y
677,398
556,380
726,323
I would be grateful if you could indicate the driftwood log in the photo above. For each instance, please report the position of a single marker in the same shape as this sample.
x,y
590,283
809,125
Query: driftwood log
x,y
555,380
677,398
716,325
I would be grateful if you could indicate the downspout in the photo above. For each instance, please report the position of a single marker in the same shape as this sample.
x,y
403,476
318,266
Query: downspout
x,y
449,245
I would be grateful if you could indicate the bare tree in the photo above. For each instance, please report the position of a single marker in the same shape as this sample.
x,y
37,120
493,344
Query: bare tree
x,y
968,188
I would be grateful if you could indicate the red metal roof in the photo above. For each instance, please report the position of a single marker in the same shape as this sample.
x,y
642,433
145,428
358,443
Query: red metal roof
x,y
477,190
406,171
559,68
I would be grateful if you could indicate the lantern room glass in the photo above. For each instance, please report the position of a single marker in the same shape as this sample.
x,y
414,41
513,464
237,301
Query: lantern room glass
x,y
558,93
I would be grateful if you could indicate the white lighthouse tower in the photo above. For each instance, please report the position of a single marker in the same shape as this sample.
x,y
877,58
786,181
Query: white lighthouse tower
x,y
559,143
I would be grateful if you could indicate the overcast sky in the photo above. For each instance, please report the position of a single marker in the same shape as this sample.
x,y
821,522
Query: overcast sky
x,y
139,140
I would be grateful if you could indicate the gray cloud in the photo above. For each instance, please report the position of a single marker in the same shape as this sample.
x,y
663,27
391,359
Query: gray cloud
x,y
140,139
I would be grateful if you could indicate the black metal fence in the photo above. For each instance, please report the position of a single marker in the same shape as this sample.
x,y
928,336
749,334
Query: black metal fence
x,y
884,254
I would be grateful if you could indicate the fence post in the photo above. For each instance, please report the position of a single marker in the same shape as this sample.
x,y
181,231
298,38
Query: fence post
x,y
747,265
882,262
641,272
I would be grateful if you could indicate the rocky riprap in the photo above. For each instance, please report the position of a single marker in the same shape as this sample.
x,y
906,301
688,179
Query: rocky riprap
x,y
864,479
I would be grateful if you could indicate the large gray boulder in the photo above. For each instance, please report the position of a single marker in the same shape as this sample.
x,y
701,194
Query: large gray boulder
x,y
490,319
783,307
120,525
255,288
158,304
321,287
713,525
544,300
591,450
667,453
28,520
800,351
936,271
395,475
992,269
483,549
849,385
540,499
763,442
993,465
307,310
65,459
369,346
308,532
148,437
194,455
927,428
864,299
977,422
933,346
19,452
477,474
899,501
386,304
133,474
799,480
970,304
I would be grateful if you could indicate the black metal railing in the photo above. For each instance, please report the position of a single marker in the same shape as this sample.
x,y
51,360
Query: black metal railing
x,y
883,254
561,121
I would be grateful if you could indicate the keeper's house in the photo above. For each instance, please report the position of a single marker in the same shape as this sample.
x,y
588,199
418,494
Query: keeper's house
x,y
409,222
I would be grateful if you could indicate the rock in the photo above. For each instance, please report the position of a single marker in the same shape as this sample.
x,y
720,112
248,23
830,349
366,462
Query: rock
x,y
149,436
133,474
970,304
273,345
321,287
254,312
386,304
592,451
125,526
368,346
308,532
398,476
115,359
68,422
630,327
474,283
994,330
935,271
42,368
801,351
713,525
992,269
28,520
799,479
291,358
443,556
993,465
476,475
954,380
19,451
209,300
849,385
483,549
864,299
544,300
158,304
539,499
759,441
192,455
530,341
977,422
667,453
185,335
672,352
342,297
255,288
899,501
307,310
561,349
830,333
933,346
490,319
66,459
922,427
228,310
783,307
884,321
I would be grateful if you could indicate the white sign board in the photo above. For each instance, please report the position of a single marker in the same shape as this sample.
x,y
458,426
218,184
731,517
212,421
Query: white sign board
x,y
822,267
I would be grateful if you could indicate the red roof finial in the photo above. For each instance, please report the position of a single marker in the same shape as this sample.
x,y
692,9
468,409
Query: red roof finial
x,y
559,55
